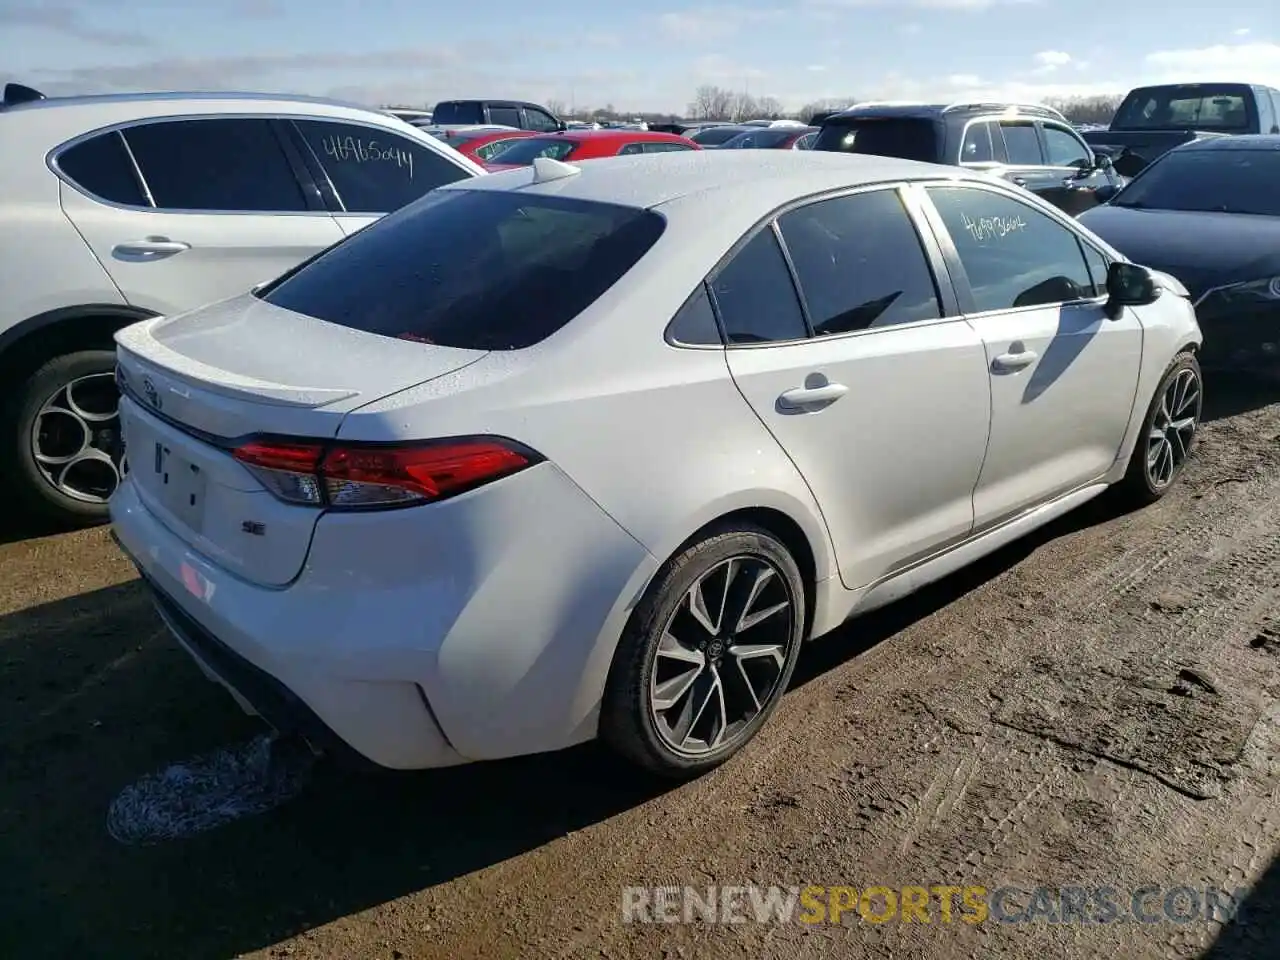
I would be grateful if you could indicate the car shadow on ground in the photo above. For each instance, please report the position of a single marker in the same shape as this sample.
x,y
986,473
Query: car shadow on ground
x,y
1256,934
1229,394
94,695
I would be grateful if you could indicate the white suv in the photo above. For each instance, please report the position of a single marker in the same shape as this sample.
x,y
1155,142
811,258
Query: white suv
x,y
122,207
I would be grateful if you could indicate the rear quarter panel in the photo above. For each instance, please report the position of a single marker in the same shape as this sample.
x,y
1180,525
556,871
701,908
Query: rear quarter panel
x,y
45,264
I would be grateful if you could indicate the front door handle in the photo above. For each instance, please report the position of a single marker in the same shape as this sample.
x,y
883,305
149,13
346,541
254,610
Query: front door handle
x,y
1014,361
152,248
1019,181
800,398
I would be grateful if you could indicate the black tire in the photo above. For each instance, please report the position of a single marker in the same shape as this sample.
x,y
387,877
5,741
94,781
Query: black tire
x,y
1138,488
627,723
39,499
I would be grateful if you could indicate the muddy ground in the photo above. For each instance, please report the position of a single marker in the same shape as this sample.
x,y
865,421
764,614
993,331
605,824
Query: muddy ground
x,y
1098,705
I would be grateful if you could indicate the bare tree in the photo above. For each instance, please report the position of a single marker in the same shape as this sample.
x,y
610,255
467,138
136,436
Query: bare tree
x,y
768,108
824,106
558,108
712,103
1087,109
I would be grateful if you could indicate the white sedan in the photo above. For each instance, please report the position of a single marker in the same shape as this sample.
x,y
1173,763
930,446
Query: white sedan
x,y
570,452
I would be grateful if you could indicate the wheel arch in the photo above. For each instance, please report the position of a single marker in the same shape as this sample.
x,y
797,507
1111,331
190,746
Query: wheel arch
x,y
88,326
788,532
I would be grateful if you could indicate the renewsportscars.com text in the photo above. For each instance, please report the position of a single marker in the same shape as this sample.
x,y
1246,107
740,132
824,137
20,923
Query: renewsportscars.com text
x,y
935,903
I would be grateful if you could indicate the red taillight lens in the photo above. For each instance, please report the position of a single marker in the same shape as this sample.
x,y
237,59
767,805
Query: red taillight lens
x,y
354,476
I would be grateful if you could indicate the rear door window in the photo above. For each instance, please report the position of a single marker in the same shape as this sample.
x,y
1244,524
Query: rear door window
x,y
474,269
374,170
1022,144
504,116
235,164
101,166
978,146
860,263
755,295
664,146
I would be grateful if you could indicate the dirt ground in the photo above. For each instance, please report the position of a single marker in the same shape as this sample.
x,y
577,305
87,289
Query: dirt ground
x,y
1099,705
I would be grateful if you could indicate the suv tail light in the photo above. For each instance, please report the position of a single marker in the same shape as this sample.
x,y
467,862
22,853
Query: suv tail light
x,y
354,476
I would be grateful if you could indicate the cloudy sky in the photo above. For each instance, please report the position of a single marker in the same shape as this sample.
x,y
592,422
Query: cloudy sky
x,y
636,54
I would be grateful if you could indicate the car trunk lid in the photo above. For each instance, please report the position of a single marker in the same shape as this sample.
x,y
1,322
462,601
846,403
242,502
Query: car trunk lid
x,y
198,384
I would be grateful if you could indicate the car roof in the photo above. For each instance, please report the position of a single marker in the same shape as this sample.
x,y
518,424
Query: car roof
x,y
1246,141
760,179
940,110
612,134
48,123
204,96
495,100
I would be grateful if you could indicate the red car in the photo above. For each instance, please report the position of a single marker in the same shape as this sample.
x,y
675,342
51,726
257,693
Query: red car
x,y
586,145
481,144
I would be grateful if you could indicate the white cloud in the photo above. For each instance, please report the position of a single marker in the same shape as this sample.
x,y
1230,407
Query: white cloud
x,y
1252,62
1242,32
1052,59
703,24
817,68
717,68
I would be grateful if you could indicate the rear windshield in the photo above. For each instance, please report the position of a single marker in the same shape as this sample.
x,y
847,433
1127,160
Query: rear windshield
x,y
715,136
473,269
1200,106
1222,181
761,139
457,112
910,138
525,150
456,140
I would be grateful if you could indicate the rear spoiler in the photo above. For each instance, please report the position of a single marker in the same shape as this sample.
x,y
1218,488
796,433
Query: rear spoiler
x,y
16,93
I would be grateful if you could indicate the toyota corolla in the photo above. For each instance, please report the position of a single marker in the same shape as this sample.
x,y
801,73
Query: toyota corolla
x,y
570,452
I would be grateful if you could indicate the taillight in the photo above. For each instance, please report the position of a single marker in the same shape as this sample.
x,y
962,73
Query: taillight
x,y
355,476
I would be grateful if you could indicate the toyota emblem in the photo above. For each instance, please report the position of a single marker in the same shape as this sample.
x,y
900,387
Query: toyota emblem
x,y
151,393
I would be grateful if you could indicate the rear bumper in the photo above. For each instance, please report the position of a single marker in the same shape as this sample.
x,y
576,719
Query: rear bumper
x,y
257,691
474,629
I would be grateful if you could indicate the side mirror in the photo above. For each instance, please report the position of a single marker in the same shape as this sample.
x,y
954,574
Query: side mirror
x,y
1129,285
1102,162
1105,192
257,288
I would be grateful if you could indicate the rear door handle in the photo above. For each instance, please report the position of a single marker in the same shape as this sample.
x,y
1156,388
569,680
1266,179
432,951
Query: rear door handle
x,y
152,248
799,398
1014,361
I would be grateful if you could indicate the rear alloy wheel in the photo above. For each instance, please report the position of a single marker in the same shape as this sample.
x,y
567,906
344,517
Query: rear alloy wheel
x,y
1168,433
65,431
708,654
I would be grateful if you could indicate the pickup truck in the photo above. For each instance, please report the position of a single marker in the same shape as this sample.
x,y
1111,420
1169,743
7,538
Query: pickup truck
x,y
1153,120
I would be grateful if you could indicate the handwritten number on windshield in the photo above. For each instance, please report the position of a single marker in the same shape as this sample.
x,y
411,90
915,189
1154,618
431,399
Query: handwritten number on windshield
x,y
358,150
992,228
